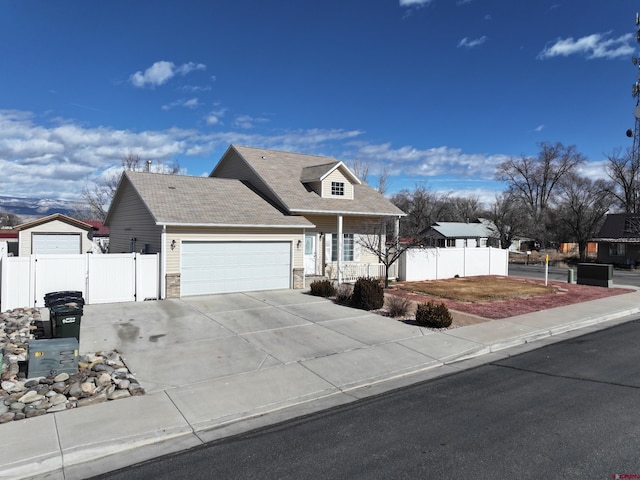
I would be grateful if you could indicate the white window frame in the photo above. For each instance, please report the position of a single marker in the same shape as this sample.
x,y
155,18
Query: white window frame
x,y
348,247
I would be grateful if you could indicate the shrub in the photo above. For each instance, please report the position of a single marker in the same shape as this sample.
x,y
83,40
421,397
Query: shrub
x,y
322,288
368,294
343,293
433,315
398,306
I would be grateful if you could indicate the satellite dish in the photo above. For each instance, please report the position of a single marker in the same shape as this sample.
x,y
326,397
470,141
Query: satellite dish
x,y
629,133
636,112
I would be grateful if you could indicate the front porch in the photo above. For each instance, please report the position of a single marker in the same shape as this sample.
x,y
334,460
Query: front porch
x,y
349,272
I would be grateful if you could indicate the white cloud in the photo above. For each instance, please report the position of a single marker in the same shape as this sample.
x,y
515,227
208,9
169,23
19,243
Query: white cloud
x,y
215,116
431,162
414,3
471,43
592,46
190,103
247,121
161,72
539,128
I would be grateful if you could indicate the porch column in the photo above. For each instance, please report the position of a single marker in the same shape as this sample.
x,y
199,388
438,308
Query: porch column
x,y
340,247
396,230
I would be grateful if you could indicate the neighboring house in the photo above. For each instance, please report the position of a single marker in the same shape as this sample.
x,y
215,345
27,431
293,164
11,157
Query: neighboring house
x,y
55,234
100,236
8,242
458,234
619,240
263,219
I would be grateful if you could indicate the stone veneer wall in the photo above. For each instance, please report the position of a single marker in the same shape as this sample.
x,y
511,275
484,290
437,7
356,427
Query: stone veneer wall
x,y
173,285
298,278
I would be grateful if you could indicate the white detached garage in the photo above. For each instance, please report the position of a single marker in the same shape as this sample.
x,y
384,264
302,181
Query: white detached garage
x,y
54,234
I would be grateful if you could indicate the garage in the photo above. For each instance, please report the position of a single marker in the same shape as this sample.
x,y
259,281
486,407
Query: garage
x,y
56,243
225,267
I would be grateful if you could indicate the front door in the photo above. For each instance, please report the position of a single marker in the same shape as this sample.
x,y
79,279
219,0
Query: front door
x,y
310,254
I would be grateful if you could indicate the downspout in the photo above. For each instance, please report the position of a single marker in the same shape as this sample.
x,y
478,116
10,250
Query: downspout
x,y
163,262
340,247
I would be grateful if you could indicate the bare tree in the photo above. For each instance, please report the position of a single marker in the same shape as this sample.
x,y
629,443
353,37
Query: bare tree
x,y
360,169
9,219
507,214
624,172
423,207
465,209
535,179
97,198
387,247
383,181
581,206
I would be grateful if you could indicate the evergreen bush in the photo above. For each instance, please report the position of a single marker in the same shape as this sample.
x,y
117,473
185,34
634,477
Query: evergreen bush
x,y
433,315
368,294
322,288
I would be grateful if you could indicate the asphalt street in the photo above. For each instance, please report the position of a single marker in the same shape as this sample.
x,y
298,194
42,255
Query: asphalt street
x,y
620,277
566,410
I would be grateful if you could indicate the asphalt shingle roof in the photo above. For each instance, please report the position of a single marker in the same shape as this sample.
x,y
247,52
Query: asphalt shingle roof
x,y
461,230
282,172
201,201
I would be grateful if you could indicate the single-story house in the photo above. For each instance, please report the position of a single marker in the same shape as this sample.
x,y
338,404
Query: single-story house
x,y
54,234
263,219
619,240
458,234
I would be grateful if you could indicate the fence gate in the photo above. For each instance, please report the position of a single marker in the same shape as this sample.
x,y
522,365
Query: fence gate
x,y
108,278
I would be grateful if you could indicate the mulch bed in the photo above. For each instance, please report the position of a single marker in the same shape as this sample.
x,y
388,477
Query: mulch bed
x,y
565,294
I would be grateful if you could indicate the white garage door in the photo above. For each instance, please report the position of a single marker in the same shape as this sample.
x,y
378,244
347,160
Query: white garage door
x,y
47,243
224,267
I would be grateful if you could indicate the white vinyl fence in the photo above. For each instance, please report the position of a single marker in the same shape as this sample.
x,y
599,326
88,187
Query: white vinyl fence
x,y
124,277
438,263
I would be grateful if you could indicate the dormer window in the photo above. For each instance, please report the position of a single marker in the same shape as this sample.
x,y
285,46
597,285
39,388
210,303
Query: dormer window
x,y
337,189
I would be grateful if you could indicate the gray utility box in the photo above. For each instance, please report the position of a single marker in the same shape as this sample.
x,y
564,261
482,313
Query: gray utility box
x,y
597,274
53,356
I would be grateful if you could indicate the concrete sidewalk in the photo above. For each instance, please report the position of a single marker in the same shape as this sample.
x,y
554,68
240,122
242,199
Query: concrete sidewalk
x,y
215,366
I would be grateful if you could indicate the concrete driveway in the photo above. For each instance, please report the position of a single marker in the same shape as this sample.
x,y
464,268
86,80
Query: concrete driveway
x,y
179,342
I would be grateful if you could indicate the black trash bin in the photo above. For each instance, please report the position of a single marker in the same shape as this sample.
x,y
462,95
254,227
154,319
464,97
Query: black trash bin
x,y
65,320
65,313
62,298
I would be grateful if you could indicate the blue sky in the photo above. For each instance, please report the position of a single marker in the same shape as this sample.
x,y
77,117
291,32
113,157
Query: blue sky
x,y
438,91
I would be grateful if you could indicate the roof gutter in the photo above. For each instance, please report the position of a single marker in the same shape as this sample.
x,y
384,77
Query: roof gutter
x,y
231,225
346,213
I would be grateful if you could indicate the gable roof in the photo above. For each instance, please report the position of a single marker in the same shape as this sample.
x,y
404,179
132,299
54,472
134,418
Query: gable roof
x,y
281,173
461,230
56,216
620,228
202,201
318,173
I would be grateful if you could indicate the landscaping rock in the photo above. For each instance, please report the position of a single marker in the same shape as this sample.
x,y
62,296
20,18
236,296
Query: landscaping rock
x,y
101,376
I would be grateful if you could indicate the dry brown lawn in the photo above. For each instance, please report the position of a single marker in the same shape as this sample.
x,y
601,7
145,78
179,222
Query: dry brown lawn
x,y
478,289
492,297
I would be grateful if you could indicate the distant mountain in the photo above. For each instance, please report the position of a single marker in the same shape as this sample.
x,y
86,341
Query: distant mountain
x,y
29,208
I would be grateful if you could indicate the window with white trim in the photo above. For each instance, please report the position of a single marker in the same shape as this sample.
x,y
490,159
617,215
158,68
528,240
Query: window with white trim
x,y
337,189
348,246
